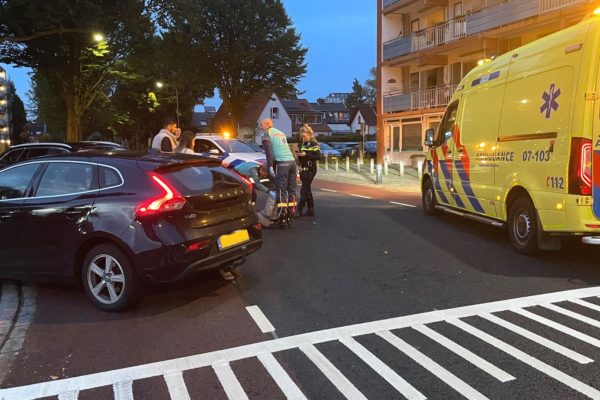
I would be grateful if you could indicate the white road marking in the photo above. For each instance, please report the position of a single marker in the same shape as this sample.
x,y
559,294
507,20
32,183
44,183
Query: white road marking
x,y
261,320
332,373
446,376
572,314
559,327
359,195
403,204
586,304
122,379
527,359
72,395
283,380
465,353
329,190
123,390
538,339
382,369
229,381
176,385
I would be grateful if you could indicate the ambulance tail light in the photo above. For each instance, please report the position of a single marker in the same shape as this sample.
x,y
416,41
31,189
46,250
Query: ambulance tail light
x,y
580,167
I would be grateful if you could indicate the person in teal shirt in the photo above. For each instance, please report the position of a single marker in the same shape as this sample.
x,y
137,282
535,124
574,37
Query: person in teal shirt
x,y
254,172
280,160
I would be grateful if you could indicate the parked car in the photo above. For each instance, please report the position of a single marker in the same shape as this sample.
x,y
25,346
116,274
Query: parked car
x,y
328,151
346,149
230,151
118,222
27,151
371,149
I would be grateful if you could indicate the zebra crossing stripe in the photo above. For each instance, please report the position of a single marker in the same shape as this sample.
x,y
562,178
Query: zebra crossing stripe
x,y
527,359
468,355
283,380
382,369
176,385
559,327
538,339
231,385
586,304
332,373
446,376
572,314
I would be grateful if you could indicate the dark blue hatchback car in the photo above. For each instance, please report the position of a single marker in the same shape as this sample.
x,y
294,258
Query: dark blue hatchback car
x,y
116,222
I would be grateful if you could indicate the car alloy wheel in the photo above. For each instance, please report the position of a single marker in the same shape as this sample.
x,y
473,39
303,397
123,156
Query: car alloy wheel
x,y
106,279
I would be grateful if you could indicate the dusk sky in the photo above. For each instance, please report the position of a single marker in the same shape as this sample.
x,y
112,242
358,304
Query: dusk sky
x,y
340,36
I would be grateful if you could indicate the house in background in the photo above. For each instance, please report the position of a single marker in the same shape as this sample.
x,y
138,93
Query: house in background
x,y
335,115
363,115
336,98
261,106
302,112
428,46
201,121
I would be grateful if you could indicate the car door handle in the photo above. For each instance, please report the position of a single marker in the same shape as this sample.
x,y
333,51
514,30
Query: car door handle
x,y
75,212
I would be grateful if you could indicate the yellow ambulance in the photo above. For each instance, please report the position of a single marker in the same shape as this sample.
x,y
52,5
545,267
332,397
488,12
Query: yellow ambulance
x,y
519,144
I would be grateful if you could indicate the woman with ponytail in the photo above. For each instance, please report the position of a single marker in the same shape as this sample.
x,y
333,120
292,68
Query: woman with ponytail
x,y
308,154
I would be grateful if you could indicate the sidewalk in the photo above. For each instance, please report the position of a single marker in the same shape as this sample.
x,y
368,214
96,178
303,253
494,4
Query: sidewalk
x,y
392,182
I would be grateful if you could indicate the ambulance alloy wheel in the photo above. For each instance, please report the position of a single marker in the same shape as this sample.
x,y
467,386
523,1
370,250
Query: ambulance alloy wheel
x,y
429,200
108,278
523,226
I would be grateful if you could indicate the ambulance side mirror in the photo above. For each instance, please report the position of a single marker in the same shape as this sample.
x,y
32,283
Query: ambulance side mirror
x,y
429,133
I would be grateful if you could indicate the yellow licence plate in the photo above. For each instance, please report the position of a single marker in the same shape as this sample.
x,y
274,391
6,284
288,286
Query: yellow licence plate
x,y
233,239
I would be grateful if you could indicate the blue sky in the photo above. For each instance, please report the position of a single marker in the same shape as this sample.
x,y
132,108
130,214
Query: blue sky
x,y
340,36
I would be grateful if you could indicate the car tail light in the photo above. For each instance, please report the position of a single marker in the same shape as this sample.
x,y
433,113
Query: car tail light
x,y
197,246
246,180
580,167
169,200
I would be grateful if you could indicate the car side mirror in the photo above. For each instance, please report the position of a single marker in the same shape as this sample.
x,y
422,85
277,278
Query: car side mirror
x,y
214,152
429,133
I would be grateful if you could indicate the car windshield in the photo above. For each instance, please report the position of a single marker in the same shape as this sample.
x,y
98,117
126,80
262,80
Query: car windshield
x,y
325,146
235,146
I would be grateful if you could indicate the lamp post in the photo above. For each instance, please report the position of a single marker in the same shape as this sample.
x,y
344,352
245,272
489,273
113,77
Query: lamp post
x,y
160,85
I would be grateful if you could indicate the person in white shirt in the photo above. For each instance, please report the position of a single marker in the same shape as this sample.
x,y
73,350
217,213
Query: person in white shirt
x,y
186,143
166,139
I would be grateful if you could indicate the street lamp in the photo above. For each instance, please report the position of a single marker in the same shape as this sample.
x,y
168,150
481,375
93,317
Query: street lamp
x,y
98,37
160,85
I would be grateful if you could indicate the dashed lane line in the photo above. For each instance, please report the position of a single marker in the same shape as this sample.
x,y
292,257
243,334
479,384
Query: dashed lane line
x,y
403,204
360,196
369,198
329,190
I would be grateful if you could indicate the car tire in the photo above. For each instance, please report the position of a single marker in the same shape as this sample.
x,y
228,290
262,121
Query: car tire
x,y
523,226
109,279
428,198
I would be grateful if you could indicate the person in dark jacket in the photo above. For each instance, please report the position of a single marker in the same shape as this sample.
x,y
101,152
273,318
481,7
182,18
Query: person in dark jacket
x,y
308,155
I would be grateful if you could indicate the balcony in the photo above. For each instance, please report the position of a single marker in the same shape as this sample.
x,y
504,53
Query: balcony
x,y
485,19
429,98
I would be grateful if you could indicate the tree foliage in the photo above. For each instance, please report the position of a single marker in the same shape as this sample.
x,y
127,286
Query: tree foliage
x,y
18,116
250,46
363,94
69,59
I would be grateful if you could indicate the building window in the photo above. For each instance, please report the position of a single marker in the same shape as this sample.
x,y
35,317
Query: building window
x,y
411,138
414,25
274,112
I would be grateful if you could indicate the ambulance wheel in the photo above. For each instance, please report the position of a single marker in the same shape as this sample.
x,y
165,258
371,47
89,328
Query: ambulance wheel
x,y
429,200
523,226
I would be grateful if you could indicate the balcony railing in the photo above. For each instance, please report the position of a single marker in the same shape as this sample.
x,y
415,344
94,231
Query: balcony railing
x,y
487,18
439,34
418,100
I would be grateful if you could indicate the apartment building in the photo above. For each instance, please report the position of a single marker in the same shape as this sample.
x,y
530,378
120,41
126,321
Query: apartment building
x,y
428,46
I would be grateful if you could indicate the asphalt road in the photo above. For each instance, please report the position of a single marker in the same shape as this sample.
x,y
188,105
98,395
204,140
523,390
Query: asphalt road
x,y
361,259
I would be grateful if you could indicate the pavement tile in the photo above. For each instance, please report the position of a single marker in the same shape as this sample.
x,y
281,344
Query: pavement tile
x,y
25,320
28,310
12,345
29,301
19,331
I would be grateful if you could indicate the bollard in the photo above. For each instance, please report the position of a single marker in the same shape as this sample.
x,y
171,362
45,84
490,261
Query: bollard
x,y
401,168
358,164
385,167
420,169
337,164
326,163
372,166
347,164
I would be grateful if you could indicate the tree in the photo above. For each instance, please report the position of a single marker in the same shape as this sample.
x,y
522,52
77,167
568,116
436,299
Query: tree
x,y
370,87
358,95
18,116
250,45
54,38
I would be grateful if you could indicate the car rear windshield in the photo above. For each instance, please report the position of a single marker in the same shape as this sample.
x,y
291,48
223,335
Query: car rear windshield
x,y
194,180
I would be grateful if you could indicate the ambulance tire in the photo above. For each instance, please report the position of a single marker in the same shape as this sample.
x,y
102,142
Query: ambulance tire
x,y
428,198
523,226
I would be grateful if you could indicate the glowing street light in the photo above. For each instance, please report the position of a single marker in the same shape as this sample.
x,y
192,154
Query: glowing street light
x,y
98,37
159,85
